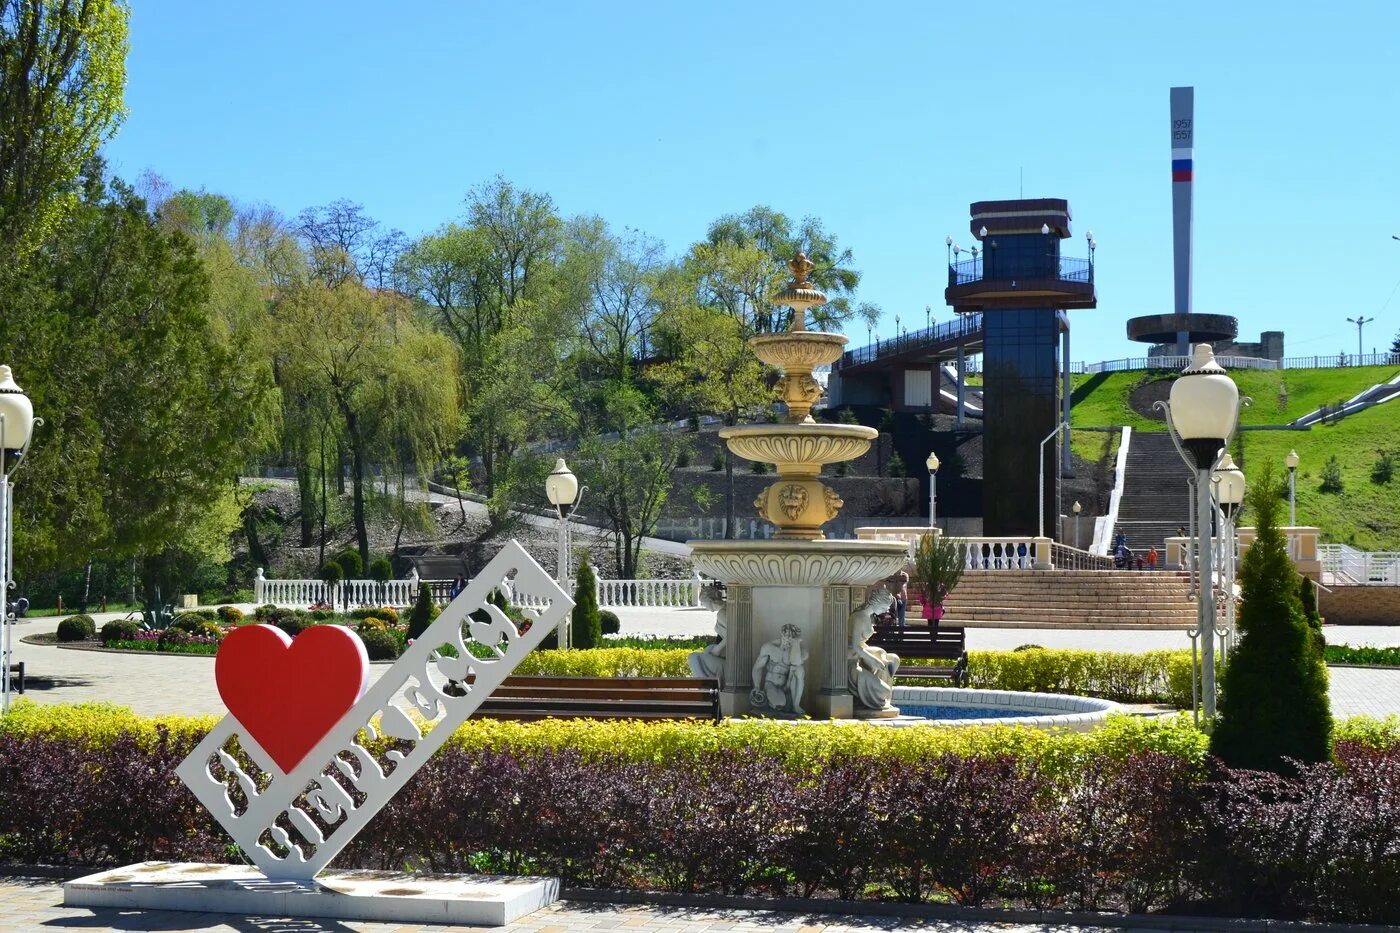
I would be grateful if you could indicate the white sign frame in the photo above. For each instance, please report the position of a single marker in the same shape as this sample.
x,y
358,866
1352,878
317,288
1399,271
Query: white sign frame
x,y
311,790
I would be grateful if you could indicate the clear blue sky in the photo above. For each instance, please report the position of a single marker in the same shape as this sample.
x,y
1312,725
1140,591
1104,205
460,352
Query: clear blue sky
x,y
883,119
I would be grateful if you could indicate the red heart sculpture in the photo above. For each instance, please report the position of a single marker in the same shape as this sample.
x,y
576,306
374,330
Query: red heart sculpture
x,y
288,693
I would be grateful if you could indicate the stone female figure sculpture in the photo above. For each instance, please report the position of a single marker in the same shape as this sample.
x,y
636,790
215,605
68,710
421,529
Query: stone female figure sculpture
x,y
871,677
709,662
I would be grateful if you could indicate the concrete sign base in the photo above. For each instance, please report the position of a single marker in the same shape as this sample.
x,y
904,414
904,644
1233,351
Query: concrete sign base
x,y
382,896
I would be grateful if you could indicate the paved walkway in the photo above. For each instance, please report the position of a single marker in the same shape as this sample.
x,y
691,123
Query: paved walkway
x,y
29,905
154,684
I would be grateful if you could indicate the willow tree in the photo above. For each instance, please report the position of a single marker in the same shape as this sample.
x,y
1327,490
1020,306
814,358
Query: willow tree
x,y
391,384
62,75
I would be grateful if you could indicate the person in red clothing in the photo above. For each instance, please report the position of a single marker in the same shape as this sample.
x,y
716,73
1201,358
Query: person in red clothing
x,y
1152,558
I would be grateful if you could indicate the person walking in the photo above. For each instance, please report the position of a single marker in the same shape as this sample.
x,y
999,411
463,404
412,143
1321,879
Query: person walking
x,y
900,588
1152,557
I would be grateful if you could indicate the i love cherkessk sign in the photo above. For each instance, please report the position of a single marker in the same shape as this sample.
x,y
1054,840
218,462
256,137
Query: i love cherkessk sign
x,y
309,751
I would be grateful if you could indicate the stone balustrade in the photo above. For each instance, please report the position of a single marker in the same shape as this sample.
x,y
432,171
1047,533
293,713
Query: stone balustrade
x,y
612,594
1003,552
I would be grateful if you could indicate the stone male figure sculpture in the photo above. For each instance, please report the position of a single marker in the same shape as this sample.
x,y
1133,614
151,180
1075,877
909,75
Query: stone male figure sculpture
x,y
780,674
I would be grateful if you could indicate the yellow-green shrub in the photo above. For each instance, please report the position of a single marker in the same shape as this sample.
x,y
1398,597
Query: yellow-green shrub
x,y
96,723
1150,676
608,662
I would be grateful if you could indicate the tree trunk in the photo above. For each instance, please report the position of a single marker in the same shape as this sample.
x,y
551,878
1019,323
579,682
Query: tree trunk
x,y
307,495
340,468
325,481
357,484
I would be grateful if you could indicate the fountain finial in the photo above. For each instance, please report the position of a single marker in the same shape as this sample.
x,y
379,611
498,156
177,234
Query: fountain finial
x,y
800,294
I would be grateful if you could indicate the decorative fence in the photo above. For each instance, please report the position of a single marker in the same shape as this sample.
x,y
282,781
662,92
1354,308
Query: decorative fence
x,y
1330,361
1346,566
612,594
979,553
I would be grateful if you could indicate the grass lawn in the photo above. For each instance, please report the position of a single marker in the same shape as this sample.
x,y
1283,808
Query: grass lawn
x,y
1363,514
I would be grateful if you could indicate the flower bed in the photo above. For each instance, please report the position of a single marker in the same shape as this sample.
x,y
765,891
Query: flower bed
x,y
1365,655
1129,818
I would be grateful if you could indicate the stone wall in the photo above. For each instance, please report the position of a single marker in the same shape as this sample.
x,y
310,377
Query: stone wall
x,y
1360,605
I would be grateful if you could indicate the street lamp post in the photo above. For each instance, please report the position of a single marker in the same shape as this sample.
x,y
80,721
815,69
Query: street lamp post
x,y
1203,411
932,464
1229,496
1048,438
564,494
1360,322
17,424
1291,461
1076,509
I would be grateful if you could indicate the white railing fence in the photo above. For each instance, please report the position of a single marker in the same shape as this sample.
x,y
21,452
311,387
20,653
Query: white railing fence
x,y
979,553
1346,566
612,594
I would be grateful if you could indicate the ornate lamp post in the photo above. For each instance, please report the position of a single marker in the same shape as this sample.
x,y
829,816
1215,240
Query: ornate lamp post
x,y
1229,496
932,464
1203,410
564,494
1076,509
17,423
1291,461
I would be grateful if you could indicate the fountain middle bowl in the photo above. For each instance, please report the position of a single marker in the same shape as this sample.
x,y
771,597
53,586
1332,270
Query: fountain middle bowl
x,y
799,563
799,445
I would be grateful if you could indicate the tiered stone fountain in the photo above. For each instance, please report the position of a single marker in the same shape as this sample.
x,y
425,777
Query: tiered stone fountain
x,y
787,615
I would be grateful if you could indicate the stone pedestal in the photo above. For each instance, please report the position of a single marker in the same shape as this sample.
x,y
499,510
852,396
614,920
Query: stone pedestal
x,y
384,896
813,585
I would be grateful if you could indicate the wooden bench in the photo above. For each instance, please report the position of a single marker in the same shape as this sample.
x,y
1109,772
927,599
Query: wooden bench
x,y
17,677
529,698
943,643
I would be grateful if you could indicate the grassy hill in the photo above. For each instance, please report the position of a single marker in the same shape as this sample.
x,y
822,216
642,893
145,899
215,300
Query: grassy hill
x,y
1364,513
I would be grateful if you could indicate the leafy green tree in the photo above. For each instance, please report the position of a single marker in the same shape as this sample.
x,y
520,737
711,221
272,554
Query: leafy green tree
x,y
614,278
778,239
62,76
629,479
587,624
147,414
360,354
1274,703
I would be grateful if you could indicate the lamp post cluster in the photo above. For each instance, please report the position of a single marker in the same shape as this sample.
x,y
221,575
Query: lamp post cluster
x,y
562,488
1202,412
17,423
1229,496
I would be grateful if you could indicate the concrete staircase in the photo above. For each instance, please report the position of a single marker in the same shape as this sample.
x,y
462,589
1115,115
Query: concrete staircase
x,y
1069,599
1155,500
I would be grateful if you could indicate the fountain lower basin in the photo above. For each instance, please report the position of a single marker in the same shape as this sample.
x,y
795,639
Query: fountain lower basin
x,y
960,706
798,563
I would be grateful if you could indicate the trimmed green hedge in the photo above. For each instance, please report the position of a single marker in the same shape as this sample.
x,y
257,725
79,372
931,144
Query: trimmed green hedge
x,y
1150,677
1347,654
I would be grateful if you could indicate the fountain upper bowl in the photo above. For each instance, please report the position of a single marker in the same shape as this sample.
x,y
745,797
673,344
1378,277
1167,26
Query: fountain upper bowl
x,y
799,447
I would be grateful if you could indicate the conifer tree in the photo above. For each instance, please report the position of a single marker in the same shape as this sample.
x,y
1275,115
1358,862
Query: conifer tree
x,y
587,623
1274,703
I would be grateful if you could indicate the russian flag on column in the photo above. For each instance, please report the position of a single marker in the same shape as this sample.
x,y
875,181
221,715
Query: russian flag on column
x,y
1181,165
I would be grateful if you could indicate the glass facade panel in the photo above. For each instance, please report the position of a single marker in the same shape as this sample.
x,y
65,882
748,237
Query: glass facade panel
x,y
1022,397
1022,255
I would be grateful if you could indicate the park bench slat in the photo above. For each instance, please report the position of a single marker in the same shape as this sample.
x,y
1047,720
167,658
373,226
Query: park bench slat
x,y
530,697
924,644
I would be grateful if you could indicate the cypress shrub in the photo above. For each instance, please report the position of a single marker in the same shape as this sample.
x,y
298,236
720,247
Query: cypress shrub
x,y
423,612
380,570
587,624
1274,691
351,566
77,628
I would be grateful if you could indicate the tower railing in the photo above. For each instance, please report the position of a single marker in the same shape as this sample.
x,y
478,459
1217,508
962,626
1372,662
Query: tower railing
x,y
1069,269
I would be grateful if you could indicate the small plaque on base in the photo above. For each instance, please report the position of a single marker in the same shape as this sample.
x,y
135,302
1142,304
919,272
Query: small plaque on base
x,y
386,896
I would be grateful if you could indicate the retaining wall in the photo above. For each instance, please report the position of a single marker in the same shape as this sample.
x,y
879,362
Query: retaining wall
x,y
1360,605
